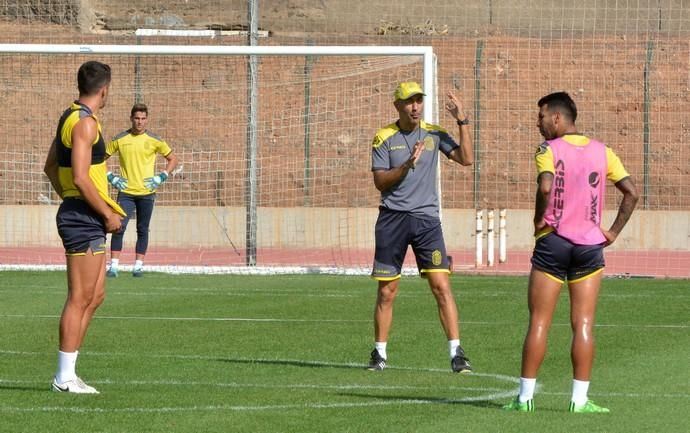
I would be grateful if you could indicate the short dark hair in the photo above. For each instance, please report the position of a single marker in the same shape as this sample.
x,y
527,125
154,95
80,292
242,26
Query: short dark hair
x,y
561,102
139,107
92,76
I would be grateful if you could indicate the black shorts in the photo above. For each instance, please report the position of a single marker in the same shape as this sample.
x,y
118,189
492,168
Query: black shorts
x,y
561,259
80,228
395,231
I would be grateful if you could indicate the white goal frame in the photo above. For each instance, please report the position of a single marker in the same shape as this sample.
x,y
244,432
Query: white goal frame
x,y
430,113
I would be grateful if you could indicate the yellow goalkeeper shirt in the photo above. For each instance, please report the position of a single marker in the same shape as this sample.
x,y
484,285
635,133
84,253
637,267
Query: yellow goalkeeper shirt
x,y
137,158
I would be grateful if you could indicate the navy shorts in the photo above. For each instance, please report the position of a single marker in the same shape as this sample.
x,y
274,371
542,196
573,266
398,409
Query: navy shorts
x,y
395,231
140,206
80,228
562,259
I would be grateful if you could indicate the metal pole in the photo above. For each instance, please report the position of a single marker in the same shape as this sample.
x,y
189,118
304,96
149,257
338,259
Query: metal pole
x,y
645,122
137,76
308,61
476,185
252,145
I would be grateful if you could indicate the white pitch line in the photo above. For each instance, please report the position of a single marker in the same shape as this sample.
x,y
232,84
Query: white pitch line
x,y
234,408
273,320
191,319
242,292
345,387
315,405
493,393
295,362
645,395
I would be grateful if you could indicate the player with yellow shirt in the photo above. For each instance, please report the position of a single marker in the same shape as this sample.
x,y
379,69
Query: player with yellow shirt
x,y
76,168
137,182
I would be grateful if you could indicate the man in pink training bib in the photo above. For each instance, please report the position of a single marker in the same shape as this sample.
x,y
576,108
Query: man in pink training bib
x,y
572,172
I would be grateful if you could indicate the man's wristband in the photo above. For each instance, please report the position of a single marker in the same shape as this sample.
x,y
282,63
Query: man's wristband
x,y
465,121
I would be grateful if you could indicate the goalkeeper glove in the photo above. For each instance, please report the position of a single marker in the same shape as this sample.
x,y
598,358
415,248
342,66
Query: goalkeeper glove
x,y
155,181
118,182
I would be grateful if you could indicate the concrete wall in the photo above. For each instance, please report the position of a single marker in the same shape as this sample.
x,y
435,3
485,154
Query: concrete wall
x,y
318,228
413,17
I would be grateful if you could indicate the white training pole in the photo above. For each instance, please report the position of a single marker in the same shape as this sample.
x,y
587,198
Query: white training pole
x,y
478,239
490,238
502,236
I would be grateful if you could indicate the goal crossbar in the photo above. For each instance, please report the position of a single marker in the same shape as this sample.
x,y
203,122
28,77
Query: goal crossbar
x,y
426,52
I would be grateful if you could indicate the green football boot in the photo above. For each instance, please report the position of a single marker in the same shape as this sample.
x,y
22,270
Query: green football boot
x,y
588,407
517,406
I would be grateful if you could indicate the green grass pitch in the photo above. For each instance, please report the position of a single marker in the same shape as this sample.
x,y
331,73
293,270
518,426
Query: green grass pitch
x,y
174,353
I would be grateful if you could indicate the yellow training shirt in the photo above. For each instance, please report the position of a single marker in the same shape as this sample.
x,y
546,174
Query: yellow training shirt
x,y
97,170
137,158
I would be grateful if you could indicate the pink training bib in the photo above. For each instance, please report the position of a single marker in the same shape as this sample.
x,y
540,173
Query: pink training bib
x,y
577,194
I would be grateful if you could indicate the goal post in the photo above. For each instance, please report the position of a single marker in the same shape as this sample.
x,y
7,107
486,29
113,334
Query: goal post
x,y
315,203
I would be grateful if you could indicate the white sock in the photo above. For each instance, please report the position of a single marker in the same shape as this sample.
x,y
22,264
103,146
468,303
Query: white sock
x,y
527,386
67,365
138,265
380,347
452,347
114,263
580,388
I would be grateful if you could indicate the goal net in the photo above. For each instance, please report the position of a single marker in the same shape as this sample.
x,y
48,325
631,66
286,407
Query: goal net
x,y
298,196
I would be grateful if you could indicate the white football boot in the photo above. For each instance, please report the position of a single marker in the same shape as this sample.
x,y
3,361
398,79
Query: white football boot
x,y
75,386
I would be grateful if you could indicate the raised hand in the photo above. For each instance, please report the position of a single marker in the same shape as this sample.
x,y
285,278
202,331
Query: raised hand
x,y
454,107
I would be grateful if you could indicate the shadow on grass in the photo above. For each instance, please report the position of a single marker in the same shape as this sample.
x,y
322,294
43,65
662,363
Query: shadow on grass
x,y
484,402
292,362
494,401
28,388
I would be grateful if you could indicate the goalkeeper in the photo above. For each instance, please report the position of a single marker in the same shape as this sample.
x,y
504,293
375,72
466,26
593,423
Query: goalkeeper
x,y
137,182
